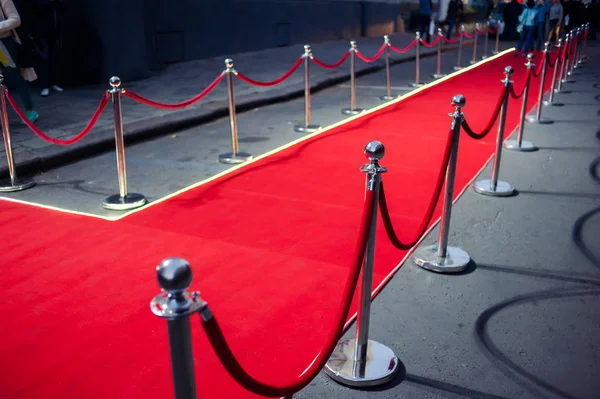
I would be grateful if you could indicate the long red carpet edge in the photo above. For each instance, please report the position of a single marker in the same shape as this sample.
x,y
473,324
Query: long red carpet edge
x,y
270,246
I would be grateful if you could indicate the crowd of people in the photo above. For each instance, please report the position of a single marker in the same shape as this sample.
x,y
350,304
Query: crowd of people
x,y
29,40
531,22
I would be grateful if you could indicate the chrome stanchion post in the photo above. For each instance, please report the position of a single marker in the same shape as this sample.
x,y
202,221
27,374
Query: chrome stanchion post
x,y
568,57
307,127
359,361
353,110
476,34
176,305
495,187
553,89
458,66
441,257
519,144
418,82
124,200
497,49
12,183
236,156
585,42
439,73
577,51
538,118
485,40
388,72
563,64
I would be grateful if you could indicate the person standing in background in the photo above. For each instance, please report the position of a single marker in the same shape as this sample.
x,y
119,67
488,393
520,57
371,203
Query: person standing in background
x,y
528,21
14,76
424,19
555,15
510,14
452,16
540,25
45,30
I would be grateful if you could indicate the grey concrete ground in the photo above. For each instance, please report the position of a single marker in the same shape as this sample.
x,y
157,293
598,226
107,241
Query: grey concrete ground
x,y
64,114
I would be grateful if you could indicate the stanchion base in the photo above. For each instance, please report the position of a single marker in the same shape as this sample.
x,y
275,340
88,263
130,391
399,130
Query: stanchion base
x,y
381,365
542,120
456,259
438,75
458,68
415,84
307,129
130,201
6,185
495,52
483,57
503,189
350,111
553,104
388,98
526,146
234,159
473,62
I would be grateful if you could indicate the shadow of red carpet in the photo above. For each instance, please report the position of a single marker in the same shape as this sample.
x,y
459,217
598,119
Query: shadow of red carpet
x,y
270,246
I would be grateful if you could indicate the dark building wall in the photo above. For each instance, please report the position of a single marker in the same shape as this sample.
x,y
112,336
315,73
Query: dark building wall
x,y
131,38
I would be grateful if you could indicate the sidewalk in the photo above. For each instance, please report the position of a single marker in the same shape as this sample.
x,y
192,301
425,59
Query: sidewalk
x,y
62,115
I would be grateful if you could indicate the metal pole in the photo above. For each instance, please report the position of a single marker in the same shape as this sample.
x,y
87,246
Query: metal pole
x,y
577,48
441,257
519,144
176,305
585,42
12,183
553,89
476,33
497,50
563,63
485,42
235,156
439,73
362,362
458,66
495,187
124,200
388,73
352,110
538,118
418,82
307,127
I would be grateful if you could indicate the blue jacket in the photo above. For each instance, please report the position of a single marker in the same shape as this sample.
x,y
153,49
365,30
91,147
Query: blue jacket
x,y
542,11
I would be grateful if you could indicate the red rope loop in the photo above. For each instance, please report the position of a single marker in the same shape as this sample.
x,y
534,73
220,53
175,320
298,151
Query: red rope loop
x,y
537,72
405,49
492,31
385,214
490,124
273,82
375,57
44,136
465,34
451,41
432,44
331,66
183,104
236,370
551,64
513,93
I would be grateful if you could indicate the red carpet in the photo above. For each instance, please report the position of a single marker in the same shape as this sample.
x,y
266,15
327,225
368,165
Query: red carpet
x,y
269,244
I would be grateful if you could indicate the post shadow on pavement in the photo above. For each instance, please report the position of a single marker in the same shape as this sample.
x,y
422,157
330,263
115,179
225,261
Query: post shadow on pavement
x,y
451,388
533,384
558,194
593,280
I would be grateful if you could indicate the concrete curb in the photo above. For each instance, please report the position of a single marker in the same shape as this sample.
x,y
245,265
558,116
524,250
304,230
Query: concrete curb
x,y
54,156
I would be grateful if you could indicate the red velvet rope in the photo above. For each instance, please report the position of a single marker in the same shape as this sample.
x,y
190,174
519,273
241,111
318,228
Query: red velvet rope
x,y
513,93
183,104
435,42
235,369
385,214
536,73
550,63
331,66
273,82
492,31
44,136
490,124
375,57
465,34
405,49
450,41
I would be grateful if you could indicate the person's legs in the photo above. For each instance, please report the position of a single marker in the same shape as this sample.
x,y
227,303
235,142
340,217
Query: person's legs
x,y
540,36
521,41
529,32
13,78
450,29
